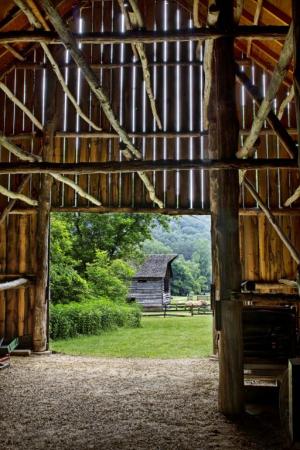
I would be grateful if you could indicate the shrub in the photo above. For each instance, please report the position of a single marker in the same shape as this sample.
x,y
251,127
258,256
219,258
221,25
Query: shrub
x,y
91,317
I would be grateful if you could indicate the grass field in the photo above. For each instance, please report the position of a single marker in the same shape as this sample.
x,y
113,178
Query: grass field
x,y
170,337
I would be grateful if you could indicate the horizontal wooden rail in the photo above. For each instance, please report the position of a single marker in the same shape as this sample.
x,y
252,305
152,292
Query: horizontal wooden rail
x,y
115,65
278,298
148,37
145,166
252,212
137,134
14,284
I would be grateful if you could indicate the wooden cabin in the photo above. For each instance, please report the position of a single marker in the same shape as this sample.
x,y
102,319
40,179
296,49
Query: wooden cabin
x,y
171,107
151,285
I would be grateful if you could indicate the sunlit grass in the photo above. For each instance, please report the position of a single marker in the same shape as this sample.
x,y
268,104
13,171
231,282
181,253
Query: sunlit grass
x,y
158,337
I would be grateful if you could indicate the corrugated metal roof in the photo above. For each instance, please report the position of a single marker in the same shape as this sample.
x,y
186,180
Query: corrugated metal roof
x,y
155,266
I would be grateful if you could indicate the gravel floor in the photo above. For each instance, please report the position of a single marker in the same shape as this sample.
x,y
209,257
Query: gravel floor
x,y
63,402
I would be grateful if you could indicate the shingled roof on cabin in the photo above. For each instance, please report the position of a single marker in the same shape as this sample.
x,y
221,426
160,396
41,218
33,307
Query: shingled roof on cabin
x,y
155,266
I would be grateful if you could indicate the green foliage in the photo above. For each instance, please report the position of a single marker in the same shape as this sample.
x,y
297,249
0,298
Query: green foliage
x,y
190,238
108,278
92,317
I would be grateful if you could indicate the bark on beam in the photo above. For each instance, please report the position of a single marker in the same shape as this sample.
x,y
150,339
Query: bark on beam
x,y
266,105
255,22
224,195
84,168
97,90
274,122
40,314
261,33
296,44
14,284
288,244
35,18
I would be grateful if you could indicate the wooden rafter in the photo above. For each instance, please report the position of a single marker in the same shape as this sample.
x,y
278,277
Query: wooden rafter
x,y
212,18
31,11
288,244
84,168
285,102
97,90
14,52
261,33
266,104
17,196
135,21
282,133
24,156
255,22
20,105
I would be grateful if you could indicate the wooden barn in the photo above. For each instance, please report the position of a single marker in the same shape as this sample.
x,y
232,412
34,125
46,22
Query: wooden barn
x,y
151,285
171,107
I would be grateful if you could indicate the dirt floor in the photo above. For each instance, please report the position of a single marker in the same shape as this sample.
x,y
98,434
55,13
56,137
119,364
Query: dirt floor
x,y
63,402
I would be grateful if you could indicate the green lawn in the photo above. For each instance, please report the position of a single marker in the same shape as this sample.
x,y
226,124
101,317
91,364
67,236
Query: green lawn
x,y
170,337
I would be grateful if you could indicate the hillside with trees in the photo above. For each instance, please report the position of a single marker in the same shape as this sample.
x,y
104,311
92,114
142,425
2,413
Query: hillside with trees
x,y
189,237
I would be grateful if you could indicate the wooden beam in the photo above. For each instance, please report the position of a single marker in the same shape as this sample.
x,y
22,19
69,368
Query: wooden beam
x,y
296,45
14,284
95,86
255,22
135,21
294,398
288,244
274,122
269,32
266,104
40,313
253,296
243,212
138,134
30,10
285,102
14,52
224,199
17,196
145,166
20,105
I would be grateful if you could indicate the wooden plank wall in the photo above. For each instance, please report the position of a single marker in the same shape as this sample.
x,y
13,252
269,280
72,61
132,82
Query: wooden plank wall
x,y
179,92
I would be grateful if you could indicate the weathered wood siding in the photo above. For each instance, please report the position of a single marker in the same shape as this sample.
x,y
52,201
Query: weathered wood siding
x,y
148,293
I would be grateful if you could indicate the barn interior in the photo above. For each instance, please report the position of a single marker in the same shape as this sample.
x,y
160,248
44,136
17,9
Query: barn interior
x,y
172,107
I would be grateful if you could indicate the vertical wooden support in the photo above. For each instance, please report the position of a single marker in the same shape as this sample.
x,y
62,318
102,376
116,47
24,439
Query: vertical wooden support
x,y
294,399
224,196
40,322
296,20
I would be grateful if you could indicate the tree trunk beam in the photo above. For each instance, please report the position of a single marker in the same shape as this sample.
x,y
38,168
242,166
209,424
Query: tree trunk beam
x,y
20,105
269,32
266,105
14,284
282,133
196,21
293,197
37,159
142,56
14,52
17,151
16,196
76,188
255,22
139,134
30,13
212,18
12,201
132,166
95,87
288,244
285,102
296,45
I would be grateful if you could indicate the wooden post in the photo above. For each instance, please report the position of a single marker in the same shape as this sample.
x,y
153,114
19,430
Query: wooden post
x,y
294,399
296,44
224,196
40,341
